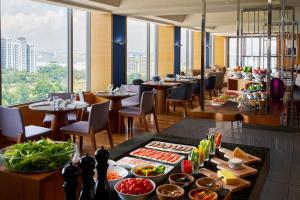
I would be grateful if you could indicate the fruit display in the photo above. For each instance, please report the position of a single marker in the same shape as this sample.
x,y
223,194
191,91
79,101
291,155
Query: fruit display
x,y
259,74
247,69
165,146
152,154
238,69
255,87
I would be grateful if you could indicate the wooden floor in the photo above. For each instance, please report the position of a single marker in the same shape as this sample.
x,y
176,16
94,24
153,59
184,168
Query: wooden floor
x,y
164,121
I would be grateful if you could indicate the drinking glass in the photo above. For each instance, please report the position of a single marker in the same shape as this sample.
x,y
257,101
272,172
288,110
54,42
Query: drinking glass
x,y
110,87
55,101
73,97
49,99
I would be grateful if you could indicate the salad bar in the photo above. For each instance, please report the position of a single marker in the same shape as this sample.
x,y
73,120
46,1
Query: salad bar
x,y
212,170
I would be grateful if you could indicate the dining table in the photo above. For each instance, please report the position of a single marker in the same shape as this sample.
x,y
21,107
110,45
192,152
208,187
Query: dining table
x,y
161,94
59,113
115,105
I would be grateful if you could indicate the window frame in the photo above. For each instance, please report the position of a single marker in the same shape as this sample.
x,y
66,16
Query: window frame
x,y
70,52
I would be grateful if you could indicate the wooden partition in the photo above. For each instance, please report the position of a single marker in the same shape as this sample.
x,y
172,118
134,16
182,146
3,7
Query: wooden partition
x,y
101,50
165,50
219,50
197,50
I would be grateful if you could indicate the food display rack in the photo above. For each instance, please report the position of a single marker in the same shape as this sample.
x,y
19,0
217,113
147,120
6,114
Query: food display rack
x,y
257,180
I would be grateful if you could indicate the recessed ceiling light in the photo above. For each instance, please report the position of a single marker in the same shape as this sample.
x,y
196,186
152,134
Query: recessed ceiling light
x,y
228,2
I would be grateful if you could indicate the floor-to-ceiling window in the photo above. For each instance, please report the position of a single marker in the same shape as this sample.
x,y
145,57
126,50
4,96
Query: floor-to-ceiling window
x,y
35,50
80,45
186,50
141,49
254,52
136,50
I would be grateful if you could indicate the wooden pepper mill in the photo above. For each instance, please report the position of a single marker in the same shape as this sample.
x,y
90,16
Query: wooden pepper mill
x,y
87,165
102,187
70,173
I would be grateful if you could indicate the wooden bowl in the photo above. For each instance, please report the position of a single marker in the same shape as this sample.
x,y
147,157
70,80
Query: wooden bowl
x,y
202,183
192,194
173,177
162,196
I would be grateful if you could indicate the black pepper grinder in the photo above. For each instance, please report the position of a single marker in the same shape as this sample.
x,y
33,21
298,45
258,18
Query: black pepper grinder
x,y
70,173
87,165
102,187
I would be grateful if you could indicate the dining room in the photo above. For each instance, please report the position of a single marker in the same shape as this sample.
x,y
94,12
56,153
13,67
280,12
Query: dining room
x,y
134,99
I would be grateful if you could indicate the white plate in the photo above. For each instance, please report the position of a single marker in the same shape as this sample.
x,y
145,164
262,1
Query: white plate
x,y
217,103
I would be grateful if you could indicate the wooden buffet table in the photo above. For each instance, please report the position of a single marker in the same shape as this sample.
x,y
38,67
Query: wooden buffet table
x,y
161,94
36,186
115,106
230,112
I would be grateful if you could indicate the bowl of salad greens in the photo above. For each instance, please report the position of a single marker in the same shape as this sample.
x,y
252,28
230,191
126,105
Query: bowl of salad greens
x,y
37,156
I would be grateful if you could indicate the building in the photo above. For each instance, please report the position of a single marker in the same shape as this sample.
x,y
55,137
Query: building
x,y
17,54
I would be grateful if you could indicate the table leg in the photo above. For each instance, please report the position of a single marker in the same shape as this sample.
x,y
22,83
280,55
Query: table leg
x,y
160,101
115,106
58,121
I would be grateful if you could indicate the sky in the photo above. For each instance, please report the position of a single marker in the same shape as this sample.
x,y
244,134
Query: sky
x,y
43,25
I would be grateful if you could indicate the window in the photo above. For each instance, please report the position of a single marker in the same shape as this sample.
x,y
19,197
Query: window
x,y
136,50
34,50
252,56
141,50
80,50
186,50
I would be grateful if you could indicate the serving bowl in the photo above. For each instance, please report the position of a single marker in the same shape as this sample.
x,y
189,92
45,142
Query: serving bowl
x,y
247,75
176,191
121,171
124,196
157,178
174,179
195,194
203,182
38,156
236,74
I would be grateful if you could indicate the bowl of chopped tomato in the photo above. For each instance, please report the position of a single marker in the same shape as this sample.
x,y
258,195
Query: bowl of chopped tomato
x,y
114,174
134,188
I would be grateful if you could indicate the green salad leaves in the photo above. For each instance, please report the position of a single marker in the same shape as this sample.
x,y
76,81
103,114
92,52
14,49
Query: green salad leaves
x,y
34,156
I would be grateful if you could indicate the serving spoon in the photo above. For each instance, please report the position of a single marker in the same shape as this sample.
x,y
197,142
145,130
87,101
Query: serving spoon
x,y
211,184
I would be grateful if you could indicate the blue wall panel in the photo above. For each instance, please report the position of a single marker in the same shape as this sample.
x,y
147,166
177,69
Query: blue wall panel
x,y
208,46
119,50
177,46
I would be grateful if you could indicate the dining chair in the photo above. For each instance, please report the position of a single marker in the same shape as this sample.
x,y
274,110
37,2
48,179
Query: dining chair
x,y
137,81
72,116
170,76
12,126
182,94
196,85
134,100
98,121
219,80
85,111
146,107
210,84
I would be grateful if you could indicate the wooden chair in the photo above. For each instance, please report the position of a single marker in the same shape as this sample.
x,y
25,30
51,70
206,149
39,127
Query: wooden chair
x,y
98,121
146,107
12,126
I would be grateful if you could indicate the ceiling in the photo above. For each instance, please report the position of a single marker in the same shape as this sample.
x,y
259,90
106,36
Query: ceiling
x,y
220,19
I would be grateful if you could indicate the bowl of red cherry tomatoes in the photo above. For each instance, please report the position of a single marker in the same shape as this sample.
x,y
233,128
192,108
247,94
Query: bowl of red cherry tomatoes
x,y
135,188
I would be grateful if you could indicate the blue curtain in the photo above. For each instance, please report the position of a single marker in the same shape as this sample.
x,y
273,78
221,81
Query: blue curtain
x,y
119,50
177,43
